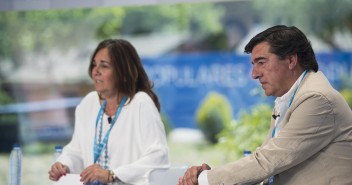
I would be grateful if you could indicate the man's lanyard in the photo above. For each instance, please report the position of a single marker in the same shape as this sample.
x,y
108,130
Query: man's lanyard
x,y
271,178
99,149
291,100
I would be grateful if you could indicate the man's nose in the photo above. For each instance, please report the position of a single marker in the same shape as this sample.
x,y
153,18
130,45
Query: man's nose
x,y
255,74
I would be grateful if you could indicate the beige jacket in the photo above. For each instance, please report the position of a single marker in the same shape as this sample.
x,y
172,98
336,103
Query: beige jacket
x,y
314,145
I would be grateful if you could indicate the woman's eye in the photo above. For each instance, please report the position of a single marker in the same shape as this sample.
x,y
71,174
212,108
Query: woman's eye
x,y
105,66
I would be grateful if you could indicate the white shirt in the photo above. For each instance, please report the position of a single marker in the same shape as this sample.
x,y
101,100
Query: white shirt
x,y
281,107
203,178
137,142
282,104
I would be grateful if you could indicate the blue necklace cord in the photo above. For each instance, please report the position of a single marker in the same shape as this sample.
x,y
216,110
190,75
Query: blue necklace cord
x,y
271,178
291,100
98,147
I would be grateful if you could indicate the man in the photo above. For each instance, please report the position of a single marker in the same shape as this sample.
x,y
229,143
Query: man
x,y
310,138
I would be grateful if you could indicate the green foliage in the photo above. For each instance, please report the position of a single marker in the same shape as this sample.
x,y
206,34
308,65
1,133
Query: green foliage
x,y
6,118
166,122
4,98
214,113
247,133
110,21
41,31
198,18
347,94
320,17
202,18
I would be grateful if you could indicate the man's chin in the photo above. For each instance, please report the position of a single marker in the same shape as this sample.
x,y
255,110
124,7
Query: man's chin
x,y
267,93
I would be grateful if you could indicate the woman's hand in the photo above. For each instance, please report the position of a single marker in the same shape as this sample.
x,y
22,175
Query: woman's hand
x,y
95,173
57,170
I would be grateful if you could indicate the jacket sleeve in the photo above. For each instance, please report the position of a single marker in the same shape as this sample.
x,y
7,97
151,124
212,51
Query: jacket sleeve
x,y
307,128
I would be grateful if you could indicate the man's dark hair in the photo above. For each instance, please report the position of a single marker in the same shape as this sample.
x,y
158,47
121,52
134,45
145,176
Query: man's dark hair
x,y
285,41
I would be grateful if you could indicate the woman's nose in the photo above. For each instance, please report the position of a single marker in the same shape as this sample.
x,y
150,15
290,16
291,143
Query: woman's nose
x,y
96,71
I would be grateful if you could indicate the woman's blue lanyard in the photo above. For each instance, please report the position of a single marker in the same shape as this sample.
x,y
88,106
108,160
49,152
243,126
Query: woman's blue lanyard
x,y
98,148
291,100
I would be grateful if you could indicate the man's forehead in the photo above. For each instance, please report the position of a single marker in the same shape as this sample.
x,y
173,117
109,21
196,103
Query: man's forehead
x,y
262,46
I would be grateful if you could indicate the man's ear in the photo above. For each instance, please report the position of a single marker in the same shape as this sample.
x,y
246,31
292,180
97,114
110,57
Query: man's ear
x,y
293,61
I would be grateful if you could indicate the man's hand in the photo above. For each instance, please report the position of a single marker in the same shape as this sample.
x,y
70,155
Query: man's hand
x,y
191,175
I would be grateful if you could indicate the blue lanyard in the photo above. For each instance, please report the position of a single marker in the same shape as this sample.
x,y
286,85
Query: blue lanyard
x,y
99,149
271,178
291,100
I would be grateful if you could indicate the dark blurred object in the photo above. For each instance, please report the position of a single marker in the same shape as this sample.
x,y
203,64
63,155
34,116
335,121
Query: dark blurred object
x,y
9,134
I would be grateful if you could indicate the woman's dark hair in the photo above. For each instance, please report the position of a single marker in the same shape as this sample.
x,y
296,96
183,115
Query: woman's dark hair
x,y
285,41
128,69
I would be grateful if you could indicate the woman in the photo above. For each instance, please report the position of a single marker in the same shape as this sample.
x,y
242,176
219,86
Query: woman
x,y
118,135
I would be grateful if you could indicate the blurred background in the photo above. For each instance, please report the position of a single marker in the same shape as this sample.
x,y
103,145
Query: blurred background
x,y
192,51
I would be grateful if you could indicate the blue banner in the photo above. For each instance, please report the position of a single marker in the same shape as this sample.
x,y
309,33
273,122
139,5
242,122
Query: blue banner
x,y
182,81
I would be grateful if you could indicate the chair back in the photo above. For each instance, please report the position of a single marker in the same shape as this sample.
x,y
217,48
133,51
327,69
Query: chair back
x,y
166,176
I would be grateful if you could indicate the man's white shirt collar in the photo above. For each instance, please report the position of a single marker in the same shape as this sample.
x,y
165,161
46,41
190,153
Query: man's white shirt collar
x,y
282,103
